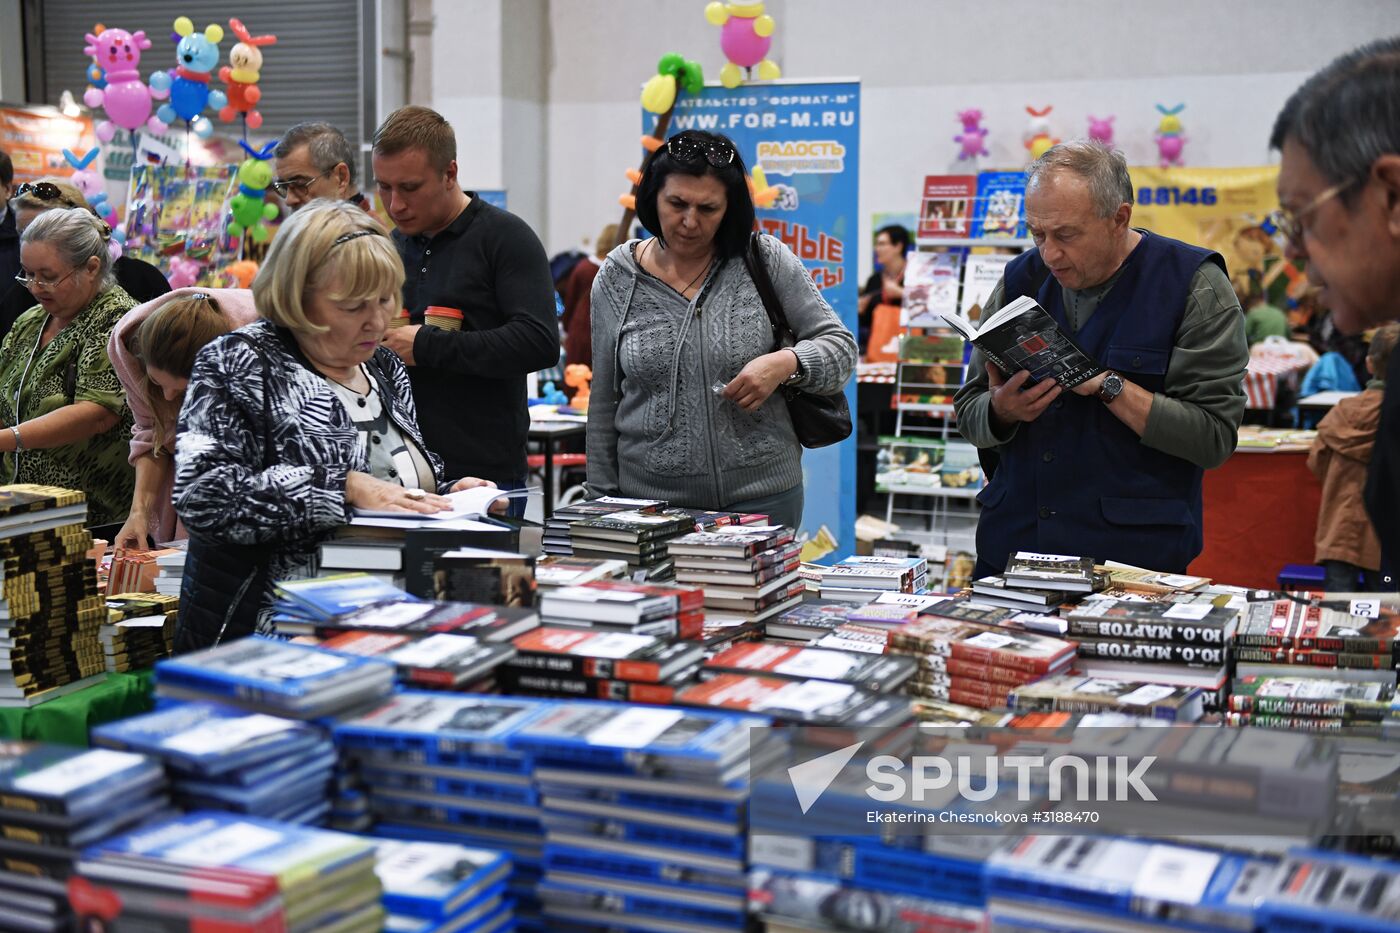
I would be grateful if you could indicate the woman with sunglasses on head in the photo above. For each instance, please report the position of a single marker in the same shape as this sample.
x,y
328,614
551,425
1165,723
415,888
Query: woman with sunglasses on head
x,y
677,314
138,278
64,413
153,350
292,421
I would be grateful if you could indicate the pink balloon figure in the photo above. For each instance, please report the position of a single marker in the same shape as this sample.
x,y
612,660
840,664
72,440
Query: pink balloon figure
x,y
746,35
184,273
973,138
1170,139
1101,130
126,97
90,184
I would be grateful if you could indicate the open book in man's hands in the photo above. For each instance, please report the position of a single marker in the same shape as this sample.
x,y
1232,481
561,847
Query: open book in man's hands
x,y
1023,335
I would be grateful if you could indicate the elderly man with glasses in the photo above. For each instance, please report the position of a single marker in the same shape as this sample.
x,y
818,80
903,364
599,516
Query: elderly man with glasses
x,y
315,160
1339,187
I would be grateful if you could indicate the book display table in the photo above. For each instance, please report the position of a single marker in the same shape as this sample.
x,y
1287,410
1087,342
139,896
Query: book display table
x,y
67,719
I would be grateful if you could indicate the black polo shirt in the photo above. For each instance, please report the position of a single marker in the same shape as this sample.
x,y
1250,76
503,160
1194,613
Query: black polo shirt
x,y
470,384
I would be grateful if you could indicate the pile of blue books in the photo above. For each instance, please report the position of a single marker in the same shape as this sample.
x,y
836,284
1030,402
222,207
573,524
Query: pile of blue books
x,y
645,815
308,603
209,870
432,887
440,767
54,800
219,757
265,675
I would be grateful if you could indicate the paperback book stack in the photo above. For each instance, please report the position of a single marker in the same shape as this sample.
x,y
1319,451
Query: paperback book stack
x,y
134,571
478,575
439,767
866,629
223,758
1314,704
558,528
264,675
860,579
435,662
170,571
419,619
645,815
617,606
1039,583
638,536
807,622
54,800
305,604
556,570
1077,693
569,662
1337,640
50,611
224,871
1317,890
139,631
433,887
748,572
965,656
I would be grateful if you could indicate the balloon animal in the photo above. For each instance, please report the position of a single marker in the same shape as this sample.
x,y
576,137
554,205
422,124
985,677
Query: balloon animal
x,y
249,206
1170,139
242,79
197,54
973,138
673,73
183,272
125,97
91,184
1101,129
1038,139
746,35
577,376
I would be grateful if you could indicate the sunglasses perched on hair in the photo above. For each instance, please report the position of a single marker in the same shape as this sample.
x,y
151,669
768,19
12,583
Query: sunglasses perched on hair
x,y
43,190
685,148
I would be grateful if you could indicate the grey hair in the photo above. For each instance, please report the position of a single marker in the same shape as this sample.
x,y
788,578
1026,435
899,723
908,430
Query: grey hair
x,y
78,235
1346,115
328,146
1103,168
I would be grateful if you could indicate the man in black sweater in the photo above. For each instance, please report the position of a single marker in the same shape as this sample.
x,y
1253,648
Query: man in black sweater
x,y
472,263
9,234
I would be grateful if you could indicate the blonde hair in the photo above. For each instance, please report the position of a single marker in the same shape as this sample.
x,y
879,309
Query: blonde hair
x,y
168,340
71,196
333,247
415,127
79,236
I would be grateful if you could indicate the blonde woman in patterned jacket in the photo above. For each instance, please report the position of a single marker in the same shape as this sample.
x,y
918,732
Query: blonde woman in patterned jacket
x,y
292,421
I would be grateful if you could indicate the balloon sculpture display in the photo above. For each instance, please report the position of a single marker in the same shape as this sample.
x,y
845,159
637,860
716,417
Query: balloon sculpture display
x,y
125,97
96,74
188,84
1038,139
746,35
183,272
93,188
249,206
673,73
1170,139
1101,129
242,79
973,138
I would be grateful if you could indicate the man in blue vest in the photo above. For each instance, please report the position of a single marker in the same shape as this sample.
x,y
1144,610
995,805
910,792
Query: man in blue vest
x,y
1339,190
1111,469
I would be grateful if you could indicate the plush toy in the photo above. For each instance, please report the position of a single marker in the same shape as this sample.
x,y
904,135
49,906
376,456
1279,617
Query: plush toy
x,y
242,79
1037,138
183,272
197,54
973,137
249,206
1101,130
1170,139
124,96
746,35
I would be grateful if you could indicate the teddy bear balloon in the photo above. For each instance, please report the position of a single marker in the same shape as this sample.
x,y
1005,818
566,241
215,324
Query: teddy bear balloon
x,y
746,35
242,79
188,85
1101,129
1170,140
249,206
973,138
124,96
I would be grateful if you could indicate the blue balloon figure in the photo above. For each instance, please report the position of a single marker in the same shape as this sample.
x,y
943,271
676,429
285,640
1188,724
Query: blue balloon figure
x,y
197,55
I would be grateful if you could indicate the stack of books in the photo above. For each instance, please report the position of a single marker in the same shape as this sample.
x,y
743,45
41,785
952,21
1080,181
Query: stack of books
x,y
50,610
1173,644
400,552
1040,583
811,703
866,629
1317,890
265,675
966,657
806,622
645,813
570,662
749,572
617,606
638,536
33,902
1077,693
1313,704
436,662
418,618
134,571
54,800
170,570
873,672
1337,640
317,600
222,758
139,631
439,767
211,870
555,570
860,579
478,575
558,528
431,886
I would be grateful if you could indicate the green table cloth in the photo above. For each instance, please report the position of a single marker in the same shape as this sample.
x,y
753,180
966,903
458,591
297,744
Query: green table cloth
x,y
68,718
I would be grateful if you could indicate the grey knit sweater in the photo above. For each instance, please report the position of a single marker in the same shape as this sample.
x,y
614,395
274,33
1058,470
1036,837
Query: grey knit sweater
x,y
655,428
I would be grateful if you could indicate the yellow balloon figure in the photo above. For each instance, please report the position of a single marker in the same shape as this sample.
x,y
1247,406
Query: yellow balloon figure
x,y
746,35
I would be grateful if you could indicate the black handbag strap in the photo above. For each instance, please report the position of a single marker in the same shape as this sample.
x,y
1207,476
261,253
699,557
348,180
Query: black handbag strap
x,y
758,271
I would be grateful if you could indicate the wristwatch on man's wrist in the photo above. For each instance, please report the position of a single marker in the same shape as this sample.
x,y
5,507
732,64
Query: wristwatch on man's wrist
x,y
1111,386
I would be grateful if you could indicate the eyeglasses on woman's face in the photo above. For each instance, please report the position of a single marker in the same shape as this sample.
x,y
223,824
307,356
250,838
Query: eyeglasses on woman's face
x,y
32,282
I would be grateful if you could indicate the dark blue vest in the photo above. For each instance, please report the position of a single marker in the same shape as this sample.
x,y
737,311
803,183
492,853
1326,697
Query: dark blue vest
x,y
1077,480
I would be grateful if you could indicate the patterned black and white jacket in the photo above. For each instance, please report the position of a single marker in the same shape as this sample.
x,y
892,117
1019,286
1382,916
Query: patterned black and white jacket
x,y
239,415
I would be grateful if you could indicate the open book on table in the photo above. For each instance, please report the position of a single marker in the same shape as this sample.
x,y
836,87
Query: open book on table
x,y
1023,335
466,504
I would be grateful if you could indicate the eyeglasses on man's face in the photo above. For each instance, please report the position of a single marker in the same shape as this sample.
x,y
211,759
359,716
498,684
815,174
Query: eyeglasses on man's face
x,y
31,282
300,184
1290,223
686,148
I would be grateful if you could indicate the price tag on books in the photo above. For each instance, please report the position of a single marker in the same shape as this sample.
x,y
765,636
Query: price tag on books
x,y
1366,608
633,728
224,734
1189,611
824,665
77,772
990,640
433,650
225,845
1177,875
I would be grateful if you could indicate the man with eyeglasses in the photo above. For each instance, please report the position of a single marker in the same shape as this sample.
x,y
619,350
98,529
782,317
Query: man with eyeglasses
x,y
1339,192
315,160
